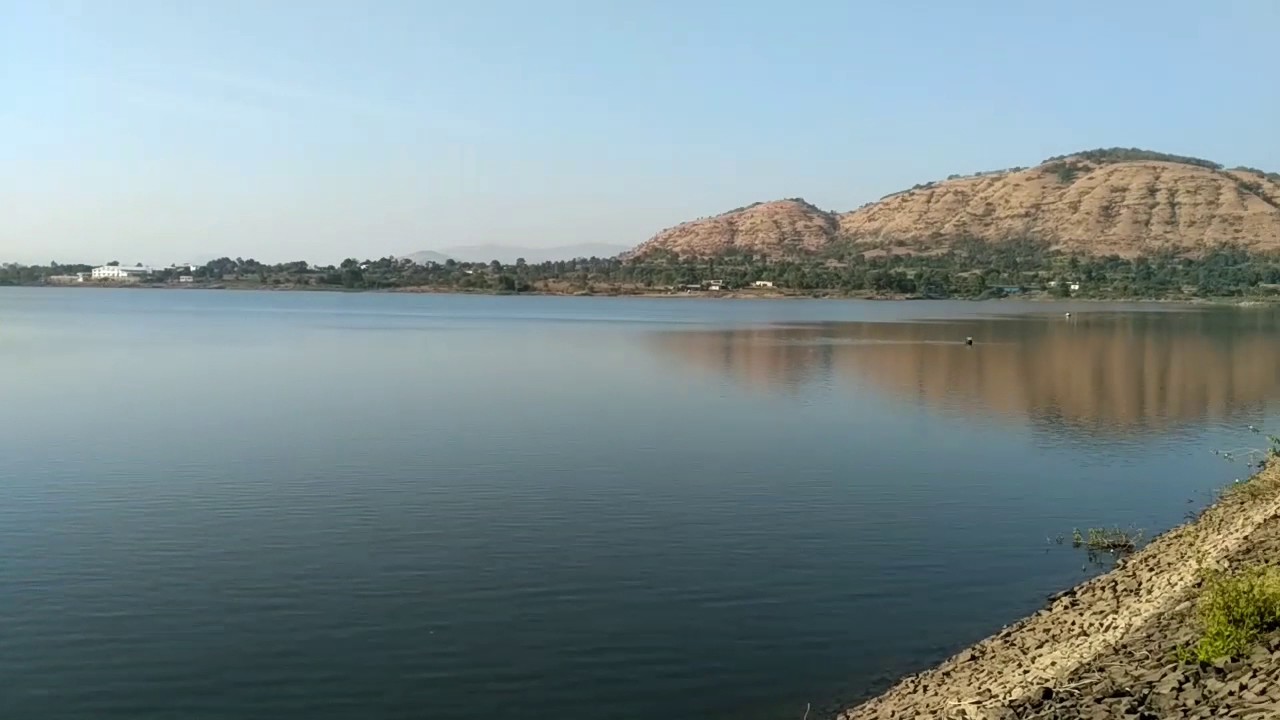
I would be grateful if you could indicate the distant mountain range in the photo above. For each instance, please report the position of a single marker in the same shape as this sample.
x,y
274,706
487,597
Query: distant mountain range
x,y
422,257
508,254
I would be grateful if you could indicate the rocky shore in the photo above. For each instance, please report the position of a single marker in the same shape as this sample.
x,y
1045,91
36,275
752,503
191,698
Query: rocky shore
x,y
1114,646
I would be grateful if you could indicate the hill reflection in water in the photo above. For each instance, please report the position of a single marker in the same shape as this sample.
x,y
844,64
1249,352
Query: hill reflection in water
x,y
1096,372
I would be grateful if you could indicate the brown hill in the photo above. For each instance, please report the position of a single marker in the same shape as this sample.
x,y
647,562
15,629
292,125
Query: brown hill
x,y
1098,202
778,228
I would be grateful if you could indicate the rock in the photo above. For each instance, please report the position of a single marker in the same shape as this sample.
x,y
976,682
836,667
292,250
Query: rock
x,y
1149,677
1168,684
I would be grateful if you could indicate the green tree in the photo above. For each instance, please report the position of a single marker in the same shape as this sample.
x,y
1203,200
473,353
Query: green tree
x,y
975,284
352,277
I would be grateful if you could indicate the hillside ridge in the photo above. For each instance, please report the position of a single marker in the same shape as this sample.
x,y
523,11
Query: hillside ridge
x,y
1124,201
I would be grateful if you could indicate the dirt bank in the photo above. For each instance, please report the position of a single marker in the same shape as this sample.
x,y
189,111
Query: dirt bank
x,y
1105,649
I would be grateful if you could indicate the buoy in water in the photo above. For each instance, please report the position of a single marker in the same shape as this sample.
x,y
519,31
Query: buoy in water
x,y
1068,314
968,341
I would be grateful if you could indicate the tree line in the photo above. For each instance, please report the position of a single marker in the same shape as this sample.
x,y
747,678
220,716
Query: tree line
x,y
964,269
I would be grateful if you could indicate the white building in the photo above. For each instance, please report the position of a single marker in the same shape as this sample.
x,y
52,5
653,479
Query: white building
x,y
762,284
118,272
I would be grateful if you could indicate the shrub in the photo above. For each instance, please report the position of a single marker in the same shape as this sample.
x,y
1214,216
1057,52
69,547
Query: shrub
x,y
1112,540
1117,154
1067,172
1274,177
1235,611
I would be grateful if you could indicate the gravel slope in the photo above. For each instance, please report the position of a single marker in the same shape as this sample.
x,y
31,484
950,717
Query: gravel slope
x,y
1103,649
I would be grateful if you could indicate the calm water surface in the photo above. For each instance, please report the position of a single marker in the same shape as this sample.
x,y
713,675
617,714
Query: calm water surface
x,y
291,505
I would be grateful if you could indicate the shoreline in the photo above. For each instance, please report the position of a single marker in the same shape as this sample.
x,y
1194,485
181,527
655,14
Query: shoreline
x,y
1109,647
744,294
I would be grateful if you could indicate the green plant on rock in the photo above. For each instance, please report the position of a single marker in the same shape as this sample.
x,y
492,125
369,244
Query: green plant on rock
x,y
1235,610
1112,540
1185,654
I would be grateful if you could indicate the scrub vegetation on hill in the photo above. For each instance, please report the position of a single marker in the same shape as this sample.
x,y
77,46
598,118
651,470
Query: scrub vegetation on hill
x,y
1121,155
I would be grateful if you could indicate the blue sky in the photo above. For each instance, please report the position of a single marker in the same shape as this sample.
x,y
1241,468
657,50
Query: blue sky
x,y
162,131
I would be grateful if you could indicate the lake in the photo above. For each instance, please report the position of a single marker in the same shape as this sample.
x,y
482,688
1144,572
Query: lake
x,y
311,505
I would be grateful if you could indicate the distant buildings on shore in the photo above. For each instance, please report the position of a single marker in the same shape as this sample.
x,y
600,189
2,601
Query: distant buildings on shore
x,y
119,272
126,274
716,286
1072,285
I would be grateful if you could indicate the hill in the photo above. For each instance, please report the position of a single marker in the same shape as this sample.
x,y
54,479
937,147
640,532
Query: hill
x,y
1098,202
778,228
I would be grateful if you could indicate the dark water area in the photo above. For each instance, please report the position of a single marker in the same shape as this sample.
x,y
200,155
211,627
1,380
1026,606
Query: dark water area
x,y
294,505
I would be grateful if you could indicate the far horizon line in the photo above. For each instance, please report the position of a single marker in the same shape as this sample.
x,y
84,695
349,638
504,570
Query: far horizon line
x,y
205,259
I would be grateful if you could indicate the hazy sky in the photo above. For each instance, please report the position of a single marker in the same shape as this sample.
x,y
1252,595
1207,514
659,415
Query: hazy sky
x,y
162,131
